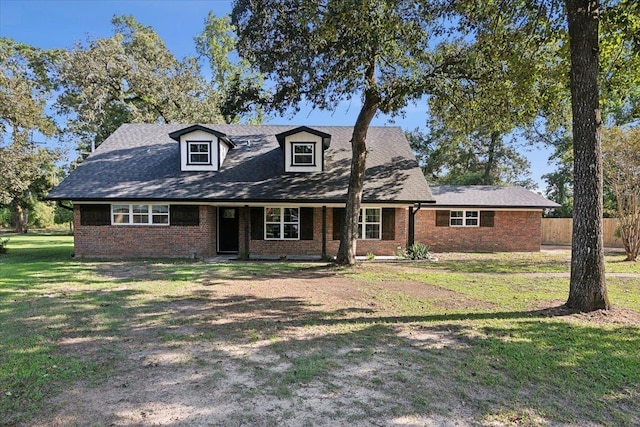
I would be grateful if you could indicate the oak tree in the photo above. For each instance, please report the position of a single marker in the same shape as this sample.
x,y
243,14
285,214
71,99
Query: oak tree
x,y
327,51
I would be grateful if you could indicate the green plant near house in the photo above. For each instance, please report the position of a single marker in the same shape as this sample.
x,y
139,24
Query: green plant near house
x,y
370,256
417,251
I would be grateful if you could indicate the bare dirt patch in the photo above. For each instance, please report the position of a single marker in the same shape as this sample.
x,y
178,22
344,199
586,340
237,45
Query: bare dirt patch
x,y
280,349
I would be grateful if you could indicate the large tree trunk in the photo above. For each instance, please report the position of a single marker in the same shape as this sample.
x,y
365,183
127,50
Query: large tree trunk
x,y
489,167
587,289
18,218
347,249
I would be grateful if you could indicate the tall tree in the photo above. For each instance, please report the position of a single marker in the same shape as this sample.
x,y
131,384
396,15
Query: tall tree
x,y
26,84
239,86
587,288
327,51
511,80
621,152
131,77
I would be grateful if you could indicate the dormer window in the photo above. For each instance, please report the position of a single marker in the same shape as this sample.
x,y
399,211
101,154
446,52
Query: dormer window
x,y
303,149
199,152
303,154
201,148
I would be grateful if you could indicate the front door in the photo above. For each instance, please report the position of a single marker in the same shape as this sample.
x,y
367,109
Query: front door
x,y
228,230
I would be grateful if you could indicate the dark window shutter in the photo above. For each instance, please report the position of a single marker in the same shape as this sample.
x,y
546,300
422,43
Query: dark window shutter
x,y
95,214
257,223
306,223
184,215
338,219
486,218
388,224
442,218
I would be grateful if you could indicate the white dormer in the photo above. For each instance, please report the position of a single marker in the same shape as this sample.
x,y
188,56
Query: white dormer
x,y
303,149
201,148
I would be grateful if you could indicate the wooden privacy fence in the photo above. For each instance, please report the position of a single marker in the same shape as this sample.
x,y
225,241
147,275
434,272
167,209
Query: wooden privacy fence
x,y
557,231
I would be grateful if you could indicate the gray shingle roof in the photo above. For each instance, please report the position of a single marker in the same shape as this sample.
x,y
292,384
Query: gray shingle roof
x,y
141,162
488,196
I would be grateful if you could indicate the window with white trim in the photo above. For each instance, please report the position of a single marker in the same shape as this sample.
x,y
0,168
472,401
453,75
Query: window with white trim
x,y
199,152
464,218
303,154
370,224
139,214
281,223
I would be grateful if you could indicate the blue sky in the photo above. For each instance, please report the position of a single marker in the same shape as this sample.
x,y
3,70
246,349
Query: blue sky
x,y
62,23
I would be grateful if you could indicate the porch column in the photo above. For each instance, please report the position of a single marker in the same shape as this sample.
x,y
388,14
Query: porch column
x,y
247,236
324,232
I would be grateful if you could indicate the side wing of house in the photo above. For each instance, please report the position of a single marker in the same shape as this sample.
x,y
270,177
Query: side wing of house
x,y
482,219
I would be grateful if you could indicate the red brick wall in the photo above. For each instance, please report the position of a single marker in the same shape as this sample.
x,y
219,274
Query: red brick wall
x,y
129,241
513,231
377,247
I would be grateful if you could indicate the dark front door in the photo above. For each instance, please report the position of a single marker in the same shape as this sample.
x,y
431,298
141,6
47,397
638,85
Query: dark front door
x,y
228,226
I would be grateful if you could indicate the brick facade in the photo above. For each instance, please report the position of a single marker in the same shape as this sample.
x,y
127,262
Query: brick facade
x,y
184,242
145,241
512,231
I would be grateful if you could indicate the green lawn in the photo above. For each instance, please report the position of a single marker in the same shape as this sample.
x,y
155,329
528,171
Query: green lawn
x,y
385,343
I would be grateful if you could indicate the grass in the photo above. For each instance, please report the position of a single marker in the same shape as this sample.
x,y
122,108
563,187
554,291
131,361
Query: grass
x,y
418,340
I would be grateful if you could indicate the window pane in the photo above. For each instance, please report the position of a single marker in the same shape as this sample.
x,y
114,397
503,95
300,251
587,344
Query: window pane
x,y
472,214
456,214
373,231
291,231
161,219
200,148
373,215
272,214
456,221
160,209
120,209
472,222
273,231
140,209
199,158
141,219
121,219
303,149
290,215
303,159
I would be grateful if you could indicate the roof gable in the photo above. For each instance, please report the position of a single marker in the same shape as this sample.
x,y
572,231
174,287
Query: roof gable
x,y
175,135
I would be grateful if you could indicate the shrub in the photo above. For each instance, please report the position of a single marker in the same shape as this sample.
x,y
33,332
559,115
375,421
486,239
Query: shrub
x,y
417,251
3,246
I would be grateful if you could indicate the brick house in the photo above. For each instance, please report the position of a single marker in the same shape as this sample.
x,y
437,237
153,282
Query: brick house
x,y
482,219
154,190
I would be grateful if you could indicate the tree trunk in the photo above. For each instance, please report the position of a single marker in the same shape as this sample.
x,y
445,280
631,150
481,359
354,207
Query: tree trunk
x,y
587,289
347,249
489,167
18,218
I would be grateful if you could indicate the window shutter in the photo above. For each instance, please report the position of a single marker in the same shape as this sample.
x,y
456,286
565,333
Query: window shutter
x,y
338,219
388,223
306,223
442,218
486,218
95,214
257,223
184,215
